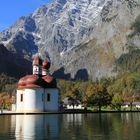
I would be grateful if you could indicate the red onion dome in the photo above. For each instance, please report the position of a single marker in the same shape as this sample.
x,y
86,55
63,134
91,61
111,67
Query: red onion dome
x,y
46,64
50,81
22,82
37,61
48,78
33,80
30,81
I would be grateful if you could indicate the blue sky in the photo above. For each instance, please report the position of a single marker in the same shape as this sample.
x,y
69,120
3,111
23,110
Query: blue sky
x,y
11,10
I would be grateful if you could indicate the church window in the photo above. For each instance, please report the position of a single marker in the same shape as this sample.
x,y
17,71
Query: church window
x,y
21,97
48,97
42,97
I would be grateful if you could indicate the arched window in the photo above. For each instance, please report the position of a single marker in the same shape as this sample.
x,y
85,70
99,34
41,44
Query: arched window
x,y
48,97
21,97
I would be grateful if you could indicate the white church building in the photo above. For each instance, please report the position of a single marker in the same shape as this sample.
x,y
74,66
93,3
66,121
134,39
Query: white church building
x,y
37,92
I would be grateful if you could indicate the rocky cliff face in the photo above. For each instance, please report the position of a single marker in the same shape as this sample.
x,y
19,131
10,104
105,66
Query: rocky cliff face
x,y
82,37
13,65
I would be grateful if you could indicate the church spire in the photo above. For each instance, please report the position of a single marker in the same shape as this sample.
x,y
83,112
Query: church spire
x,y
37,62
45,67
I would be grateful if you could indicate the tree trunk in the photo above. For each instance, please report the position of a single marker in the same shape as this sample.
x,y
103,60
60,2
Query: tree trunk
x,y
119,107
100,108
131,106
73,106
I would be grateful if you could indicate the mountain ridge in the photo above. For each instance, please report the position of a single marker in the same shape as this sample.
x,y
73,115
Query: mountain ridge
x,y
78,35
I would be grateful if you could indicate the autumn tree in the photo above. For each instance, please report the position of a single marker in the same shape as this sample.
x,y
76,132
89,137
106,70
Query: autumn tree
x,y
131,91
96,94
128,87
74,96
6,101
100,96
117,101
87,98
7,84
64,86
115,90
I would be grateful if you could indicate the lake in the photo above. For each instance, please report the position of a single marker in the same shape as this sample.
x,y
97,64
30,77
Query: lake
x,y
105,126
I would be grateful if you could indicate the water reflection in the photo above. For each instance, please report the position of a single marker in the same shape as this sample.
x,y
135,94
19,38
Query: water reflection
x,y
36,126
111,126
72,118
115,126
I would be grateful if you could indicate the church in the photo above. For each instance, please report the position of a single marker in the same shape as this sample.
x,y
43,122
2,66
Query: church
x,y
37,92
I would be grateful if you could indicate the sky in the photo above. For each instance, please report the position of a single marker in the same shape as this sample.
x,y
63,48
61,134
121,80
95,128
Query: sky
x,y
12,10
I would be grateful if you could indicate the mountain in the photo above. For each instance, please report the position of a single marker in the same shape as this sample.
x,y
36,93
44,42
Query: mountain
x,y
13,65
84,38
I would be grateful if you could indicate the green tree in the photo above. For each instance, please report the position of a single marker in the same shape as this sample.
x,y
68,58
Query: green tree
x,y
64,86
74,96
100,96
87,97
129,62
128,87
96,94
117,101
131,91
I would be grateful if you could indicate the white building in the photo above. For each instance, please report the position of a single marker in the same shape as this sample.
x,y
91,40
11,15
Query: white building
x,y
37,92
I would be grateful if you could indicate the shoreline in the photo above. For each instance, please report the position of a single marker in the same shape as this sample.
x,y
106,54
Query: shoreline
x,y
66,112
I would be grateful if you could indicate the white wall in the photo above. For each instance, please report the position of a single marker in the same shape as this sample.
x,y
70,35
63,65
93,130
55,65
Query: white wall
x,y
35,100
19,104
32,100
51,105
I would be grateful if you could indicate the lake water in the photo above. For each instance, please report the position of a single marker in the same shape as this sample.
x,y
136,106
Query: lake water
x,y
106,126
